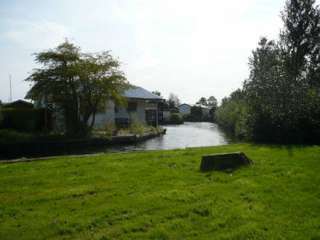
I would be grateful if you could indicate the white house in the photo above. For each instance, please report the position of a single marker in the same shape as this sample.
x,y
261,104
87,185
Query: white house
x,y
185,109
143,106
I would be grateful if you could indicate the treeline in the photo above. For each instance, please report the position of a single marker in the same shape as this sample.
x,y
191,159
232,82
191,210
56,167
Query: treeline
x,y
203,110
280,102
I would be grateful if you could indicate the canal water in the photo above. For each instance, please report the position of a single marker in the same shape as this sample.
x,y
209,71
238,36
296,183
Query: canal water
x,y
189,134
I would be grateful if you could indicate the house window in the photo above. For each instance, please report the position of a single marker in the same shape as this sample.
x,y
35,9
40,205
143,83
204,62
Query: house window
x,y
151,117
116,109
132,106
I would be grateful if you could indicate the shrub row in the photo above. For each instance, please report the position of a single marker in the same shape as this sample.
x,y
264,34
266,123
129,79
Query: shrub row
x,y
26,120
176,118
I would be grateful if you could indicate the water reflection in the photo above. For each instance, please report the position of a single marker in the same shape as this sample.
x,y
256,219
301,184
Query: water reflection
x,y
197,134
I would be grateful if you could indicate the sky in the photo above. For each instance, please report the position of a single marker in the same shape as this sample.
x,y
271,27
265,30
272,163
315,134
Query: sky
x,y
186,47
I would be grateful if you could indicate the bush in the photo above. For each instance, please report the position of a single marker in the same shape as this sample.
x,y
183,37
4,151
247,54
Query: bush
x,y
232,116
13,136
176,118
26,120
155,130
137,127
109,129
196,114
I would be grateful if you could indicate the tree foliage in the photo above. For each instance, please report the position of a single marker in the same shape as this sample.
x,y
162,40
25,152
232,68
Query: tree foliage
x,y
157,93
232,114
1,116
282,95
212,102
203,101
77,84
173,100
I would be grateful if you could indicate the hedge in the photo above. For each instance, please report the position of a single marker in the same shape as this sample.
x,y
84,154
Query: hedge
x,y
176,118
26,120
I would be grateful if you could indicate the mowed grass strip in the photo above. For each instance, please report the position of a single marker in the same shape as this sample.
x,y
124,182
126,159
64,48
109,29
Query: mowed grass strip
x,y
163,195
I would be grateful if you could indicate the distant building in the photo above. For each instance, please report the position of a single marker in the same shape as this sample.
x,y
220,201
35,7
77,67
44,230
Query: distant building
x,y
185,109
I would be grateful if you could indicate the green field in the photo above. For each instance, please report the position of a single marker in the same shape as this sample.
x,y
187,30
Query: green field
x,y
163,195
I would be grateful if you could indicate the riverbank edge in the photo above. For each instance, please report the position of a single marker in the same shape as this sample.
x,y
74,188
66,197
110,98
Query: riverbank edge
x,y
50,148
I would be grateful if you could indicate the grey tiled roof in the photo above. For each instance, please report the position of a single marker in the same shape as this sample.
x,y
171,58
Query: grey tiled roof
x,y
184,104
140,93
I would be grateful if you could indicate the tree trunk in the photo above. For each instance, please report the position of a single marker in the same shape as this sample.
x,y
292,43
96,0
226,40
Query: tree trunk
x,y
93,119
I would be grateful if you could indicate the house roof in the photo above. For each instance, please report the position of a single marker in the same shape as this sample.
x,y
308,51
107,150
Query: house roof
x,y
140,93
184,104
18,104
202,106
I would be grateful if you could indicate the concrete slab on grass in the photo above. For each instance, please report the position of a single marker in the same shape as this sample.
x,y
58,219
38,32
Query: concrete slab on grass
x,y
224,161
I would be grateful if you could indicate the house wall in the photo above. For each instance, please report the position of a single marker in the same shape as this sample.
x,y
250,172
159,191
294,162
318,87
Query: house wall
x,y
106,117
139,114
166,115
110,114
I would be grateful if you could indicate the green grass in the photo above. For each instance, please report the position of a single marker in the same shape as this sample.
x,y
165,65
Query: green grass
x,y
163,195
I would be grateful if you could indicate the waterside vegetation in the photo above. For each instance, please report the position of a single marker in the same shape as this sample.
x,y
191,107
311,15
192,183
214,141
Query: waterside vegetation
x,y
280,100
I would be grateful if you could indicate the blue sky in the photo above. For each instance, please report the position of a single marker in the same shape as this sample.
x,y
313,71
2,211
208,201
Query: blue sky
x,y
190,48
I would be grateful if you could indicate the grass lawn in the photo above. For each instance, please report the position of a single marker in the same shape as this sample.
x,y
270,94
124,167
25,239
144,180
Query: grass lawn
x,y
163,195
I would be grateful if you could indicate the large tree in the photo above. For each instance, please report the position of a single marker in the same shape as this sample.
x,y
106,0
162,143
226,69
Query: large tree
x,y
282,90
300,37
76,84
156,92
267,91
203,101
100,80
173,100
212,101
213,104
280,100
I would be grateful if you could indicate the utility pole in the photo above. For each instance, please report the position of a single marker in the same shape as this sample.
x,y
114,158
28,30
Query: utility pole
x,y
10,99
